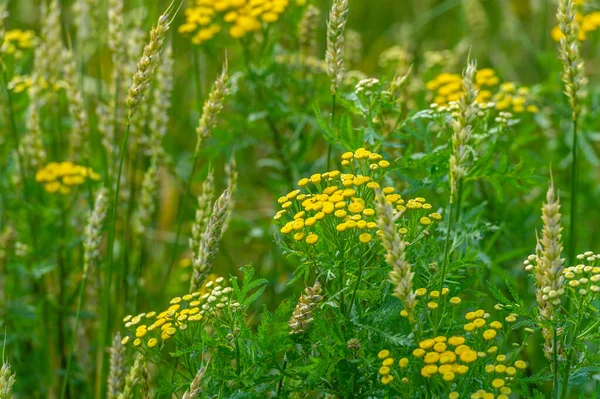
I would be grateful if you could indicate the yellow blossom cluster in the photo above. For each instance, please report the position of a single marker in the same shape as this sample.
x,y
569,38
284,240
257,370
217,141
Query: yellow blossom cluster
x,y
147,328
432,299
515,99
22,83
586,23
206,17
17,40
584,278
447,88
64,176
442,360
335,206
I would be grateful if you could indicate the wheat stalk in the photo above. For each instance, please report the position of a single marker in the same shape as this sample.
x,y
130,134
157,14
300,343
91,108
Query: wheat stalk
x,y
334,55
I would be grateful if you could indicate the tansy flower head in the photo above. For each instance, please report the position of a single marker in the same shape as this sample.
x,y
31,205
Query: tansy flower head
x,y
212,299
205,18
63,177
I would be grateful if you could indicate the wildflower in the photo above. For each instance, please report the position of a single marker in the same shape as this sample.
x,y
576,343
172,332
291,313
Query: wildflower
x,y
62,177
16,41
206,19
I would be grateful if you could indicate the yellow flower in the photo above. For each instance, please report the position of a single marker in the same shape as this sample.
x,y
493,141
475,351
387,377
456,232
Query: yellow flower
x,y
426,344
152,342
365,238
383,354
420,352
468,356
498,383
431,357
489,334
386,379
521,365
448,376
456,341
312,239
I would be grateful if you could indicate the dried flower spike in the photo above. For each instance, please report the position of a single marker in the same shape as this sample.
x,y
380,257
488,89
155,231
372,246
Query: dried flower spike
x,y
334,55
574,71
116,374
205,203
462,128
212,107
307,31
134,376
7,380
401,275
93,231
79,129
194,391
303,313
148,63
207,251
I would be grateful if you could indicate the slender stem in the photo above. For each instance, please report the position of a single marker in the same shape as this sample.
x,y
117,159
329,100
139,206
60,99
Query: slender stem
x,y
238,358
75,329
555,364
282,377
111,244
571,352
459,199
332,124
13,130
446,247
180,212
573,211
360,270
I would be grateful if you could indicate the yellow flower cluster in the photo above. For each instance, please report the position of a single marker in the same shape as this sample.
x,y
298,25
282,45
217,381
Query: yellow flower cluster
x,y
433,299
147,328
17,40
20,83
206,18
62,177
333,205
584,278
443,359
447,88
477,321
587,23
515,99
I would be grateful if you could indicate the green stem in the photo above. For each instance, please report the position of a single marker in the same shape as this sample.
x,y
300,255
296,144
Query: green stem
x,y
459,196
446,247
110,251
571,352
555,364
573,211
332,124
180,212
75,329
